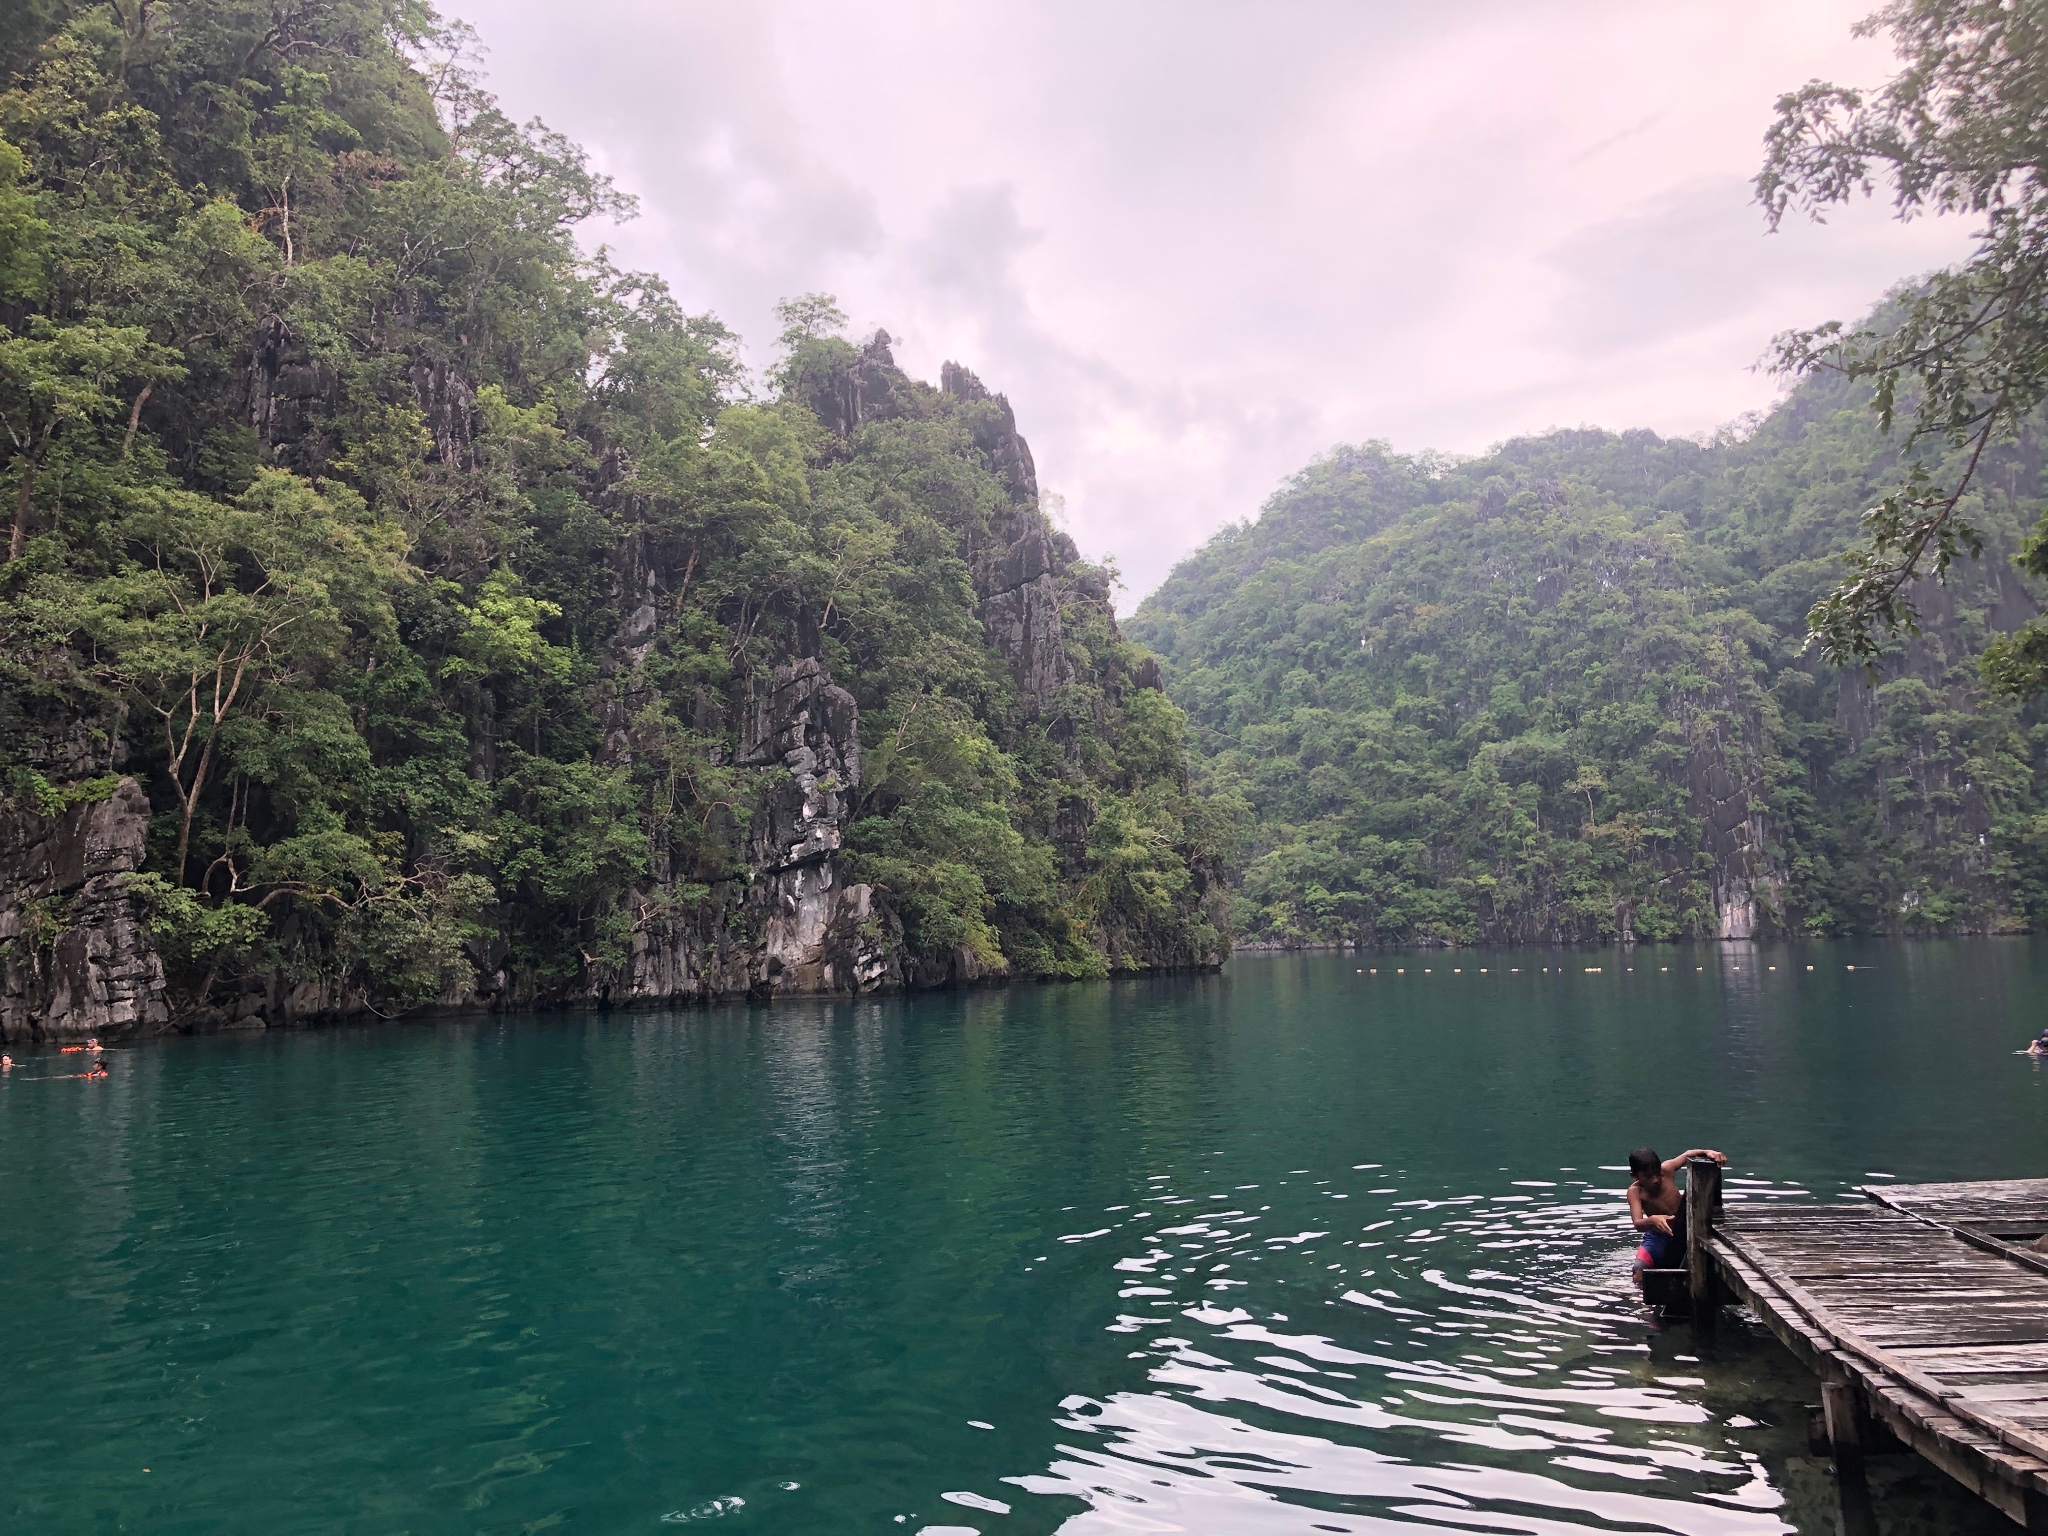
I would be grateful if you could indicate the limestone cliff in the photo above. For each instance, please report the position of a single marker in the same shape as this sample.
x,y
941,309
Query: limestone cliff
x,y
1727,742
76,957
481,631
749,885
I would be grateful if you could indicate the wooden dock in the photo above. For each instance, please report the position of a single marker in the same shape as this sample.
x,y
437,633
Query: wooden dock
x,y
1925,1313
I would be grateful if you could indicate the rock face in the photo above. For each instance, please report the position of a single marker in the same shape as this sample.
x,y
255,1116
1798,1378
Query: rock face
x,y
872,389
284,379
996,434
1021,615
288,384
1018,580
78,959
1019,576
819,933
1724,772
1746,882
812,929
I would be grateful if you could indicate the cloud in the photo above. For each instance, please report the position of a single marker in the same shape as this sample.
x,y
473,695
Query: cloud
x,y
1699,255
1198,242
971,244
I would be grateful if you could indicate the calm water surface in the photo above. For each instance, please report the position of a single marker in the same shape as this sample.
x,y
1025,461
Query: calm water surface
x,y
1296,1249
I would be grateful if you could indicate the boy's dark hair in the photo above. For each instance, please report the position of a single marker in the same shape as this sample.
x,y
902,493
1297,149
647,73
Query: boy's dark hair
x,y
1644,1160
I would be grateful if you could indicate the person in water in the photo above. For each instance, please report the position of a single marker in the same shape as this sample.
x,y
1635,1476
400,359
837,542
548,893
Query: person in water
x,y
6,1063
2039,1045
1655,1207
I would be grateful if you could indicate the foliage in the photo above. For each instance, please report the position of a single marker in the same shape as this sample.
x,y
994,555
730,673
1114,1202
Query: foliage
x,y
1959,130
425,566
1560,692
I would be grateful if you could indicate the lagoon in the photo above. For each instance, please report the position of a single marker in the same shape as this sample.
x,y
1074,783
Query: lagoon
x,y
1325,1243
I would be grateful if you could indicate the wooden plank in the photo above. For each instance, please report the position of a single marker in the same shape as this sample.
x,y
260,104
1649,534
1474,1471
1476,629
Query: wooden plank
x,y
1962,1338
1959,1261
1932,1238
2007,1392
1955,1258
1905,1279
2026,1257
1974,1459
1889,1237
1943,1321
1899,1239
1965,1191
1932,1303
2020,1437
1952,1255
1906,1305
2011,1357
1872,1217
1848,1247
1861,1270
1952,1303
2014,1218
1814,1222
1964,1335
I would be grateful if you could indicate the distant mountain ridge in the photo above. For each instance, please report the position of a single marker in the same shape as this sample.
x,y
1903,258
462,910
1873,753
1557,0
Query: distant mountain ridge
x,y
1558,693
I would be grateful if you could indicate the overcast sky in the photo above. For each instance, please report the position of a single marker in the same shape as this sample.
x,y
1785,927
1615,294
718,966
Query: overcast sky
x,y
1199,243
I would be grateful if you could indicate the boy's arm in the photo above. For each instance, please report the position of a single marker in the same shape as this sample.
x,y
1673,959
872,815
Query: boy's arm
x,y
1642,1220
1673,1164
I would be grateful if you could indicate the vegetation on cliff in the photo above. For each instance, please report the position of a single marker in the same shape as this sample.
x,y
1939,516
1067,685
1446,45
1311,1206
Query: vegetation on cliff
x,y
1562,692
439,581
1960,360
1576,688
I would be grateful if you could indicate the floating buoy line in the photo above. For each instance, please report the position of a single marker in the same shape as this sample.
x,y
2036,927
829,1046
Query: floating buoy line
x,y
1516,970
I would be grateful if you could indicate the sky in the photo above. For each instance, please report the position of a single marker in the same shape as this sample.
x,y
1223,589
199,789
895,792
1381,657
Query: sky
x,y
1198,243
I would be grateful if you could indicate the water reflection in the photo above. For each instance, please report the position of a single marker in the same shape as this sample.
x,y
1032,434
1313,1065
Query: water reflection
x,y
1463,1361
1301,1247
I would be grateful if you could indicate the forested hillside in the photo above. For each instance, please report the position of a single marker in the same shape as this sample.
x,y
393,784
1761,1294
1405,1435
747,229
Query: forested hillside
x,y
402,606
1560,693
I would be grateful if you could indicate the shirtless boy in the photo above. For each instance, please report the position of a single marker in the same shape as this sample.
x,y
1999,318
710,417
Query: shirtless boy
x,y
1657,1209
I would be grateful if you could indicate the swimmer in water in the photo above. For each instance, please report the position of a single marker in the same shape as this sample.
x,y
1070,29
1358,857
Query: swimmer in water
x,y
6,1063
1656,1207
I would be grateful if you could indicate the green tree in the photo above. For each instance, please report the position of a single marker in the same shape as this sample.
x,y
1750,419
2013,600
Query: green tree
x,y
230,609
58,380
22,233
1961,129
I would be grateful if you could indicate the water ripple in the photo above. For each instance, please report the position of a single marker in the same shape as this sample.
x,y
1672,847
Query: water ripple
x,y
1435,1387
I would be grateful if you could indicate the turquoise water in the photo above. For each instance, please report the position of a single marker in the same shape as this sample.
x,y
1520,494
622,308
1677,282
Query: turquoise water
x,y
1295,1249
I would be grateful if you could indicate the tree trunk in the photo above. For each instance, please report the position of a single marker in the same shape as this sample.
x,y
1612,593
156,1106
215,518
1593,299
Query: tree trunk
x,y
192,805
19,540
135,417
